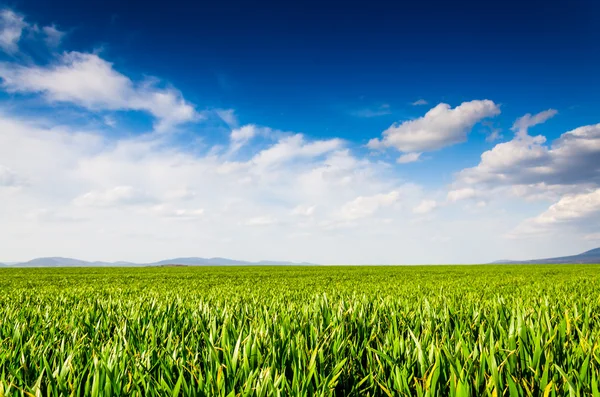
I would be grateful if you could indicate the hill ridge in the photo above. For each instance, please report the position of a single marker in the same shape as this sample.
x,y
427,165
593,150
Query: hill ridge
x,y
590,256
59,261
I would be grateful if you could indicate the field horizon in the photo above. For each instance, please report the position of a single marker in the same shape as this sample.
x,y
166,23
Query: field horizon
x,y
588,257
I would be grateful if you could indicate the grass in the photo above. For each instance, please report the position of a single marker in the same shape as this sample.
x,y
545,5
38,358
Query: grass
x,y
301,331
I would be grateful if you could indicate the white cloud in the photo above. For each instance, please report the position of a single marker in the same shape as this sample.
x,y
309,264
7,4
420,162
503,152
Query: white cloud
x,y
91,82
362,207
293,147
530,168
493,132
522,125
53,35
228,116
133,188
242,135
408,158
425,207
11,29
527,161
494,135
579,211
110,121
116,196
420,102
440,127
381,110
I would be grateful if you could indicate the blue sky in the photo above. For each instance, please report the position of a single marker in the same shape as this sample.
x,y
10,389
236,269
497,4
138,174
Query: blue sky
x,y
320,131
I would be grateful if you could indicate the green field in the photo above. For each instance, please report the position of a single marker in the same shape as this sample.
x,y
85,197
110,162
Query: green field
x,y
301,331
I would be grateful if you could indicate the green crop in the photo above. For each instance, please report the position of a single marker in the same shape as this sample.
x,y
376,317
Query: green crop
x,y
301,331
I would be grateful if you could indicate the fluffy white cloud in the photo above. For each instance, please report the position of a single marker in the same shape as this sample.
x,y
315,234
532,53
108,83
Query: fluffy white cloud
x,y
572,159
440,127
11,29
425,207
91,82
127,192
579,211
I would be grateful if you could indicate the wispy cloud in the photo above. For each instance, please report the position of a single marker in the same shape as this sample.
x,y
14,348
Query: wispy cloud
x,y
382,110
408,158
522,125
12,25
425,207
53,35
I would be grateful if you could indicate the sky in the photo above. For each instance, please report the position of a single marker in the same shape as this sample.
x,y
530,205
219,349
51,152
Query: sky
x,y
330,132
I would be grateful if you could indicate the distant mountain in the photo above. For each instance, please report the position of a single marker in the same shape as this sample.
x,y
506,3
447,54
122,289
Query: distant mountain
x,y
70,262
53,262
591,256
223,262
200,262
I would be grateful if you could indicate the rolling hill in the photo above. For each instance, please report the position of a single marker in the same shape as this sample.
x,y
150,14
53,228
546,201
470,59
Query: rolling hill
x,y
591,256
193,261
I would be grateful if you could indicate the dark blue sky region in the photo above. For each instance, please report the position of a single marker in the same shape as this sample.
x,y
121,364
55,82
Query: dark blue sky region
x,y
305,66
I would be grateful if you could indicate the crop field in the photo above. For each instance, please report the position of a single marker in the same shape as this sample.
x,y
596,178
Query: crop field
x,y
301,331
